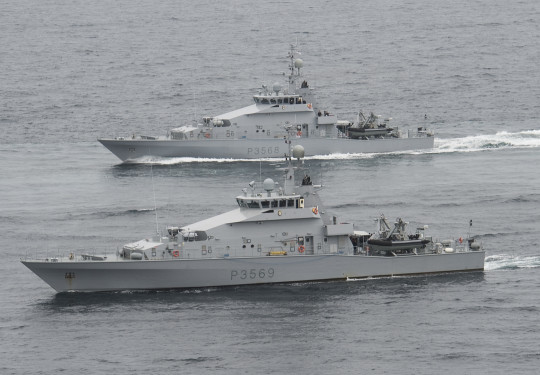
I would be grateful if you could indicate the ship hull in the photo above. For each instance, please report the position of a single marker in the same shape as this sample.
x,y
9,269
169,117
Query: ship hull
x,y
92,276
131,149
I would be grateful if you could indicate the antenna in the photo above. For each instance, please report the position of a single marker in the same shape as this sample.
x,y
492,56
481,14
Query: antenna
x,y
169,199
260,171
154,193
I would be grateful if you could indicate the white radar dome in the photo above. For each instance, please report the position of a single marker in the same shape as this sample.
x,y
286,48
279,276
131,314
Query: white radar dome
x,y
298,152
268,184
298,63
276,87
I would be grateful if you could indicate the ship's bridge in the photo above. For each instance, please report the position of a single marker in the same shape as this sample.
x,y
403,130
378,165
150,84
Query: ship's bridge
x,y
259,201
277,96
270,198
279,99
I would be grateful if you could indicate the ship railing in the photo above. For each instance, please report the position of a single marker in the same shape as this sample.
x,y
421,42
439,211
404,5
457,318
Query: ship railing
x,y
420,132
454,245
60,256
256,251
327,119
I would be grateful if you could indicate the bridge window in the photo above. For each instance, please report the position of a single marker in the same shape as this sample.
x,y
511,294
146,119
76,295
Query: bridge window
x,y
241,203
253,204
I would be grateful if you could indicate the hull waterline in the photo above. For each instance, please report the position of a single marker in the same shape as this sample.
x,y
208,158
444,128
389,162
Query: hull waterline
x,y
129,150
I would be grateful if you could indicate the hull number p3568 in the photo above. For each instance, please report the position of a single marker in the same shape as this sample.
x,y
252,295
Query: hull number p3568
x,y
263,150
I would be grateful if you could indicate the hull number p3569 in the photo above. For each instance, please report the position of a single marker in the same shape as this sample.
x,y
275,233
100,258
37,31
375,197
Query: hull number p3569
x,y
253,273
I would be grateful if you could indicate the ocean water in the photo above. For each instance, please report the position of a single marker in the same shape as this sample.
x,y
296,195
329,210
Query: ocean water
x,y
73,71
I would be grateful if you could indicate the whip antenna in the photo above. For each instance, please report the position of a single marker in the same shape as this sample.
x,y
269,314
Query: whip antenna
x,y
154,193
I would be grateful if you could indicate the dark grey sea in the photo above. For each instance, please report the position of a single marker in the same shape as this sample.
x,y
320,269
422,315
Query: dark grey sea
x,y
73,71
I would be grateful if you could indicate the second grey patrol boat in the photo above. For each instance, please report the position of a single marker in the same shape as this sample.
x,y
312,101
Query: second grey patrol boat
x,y
257,131
276,234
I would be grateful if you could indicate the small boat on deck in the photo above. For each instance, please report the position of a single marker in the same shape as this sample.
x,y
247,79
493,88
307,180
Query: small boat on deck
x,y
396,240
368,127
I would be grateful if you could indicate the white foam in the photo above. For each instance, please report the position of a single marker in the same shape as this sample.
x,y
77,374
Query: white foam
x,y
507,261
500,140
182,160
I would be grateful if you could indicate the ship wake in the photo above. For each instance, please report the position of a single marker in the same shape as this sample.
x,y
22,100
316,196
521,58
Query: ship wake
x,y
500,140
511,262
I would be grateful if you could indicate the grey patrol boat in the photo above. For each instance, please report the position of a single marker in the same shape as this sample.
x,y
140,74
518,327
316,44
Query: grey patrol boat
x,y
276,234
257,131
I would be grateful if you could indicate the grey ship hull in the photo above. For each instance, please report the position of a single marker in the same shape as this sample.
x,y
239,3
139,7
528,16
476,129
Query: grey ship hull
x,y
90,276
131,149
